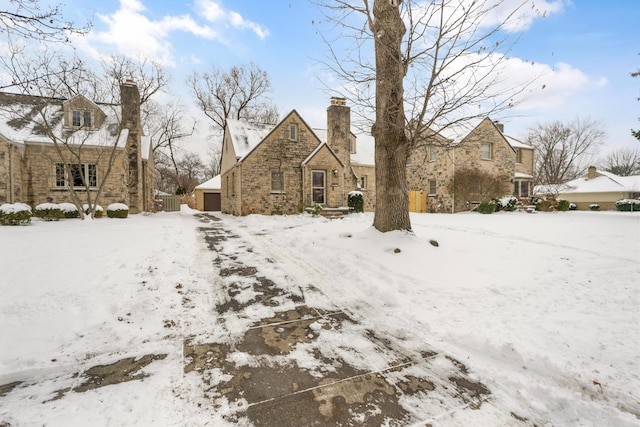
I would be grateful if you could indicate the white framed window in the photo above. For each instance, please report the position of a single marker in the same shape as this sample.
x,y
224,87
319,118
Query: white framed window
x,y
76,175
318,184
432,153
293,132
432,187
277,181
486,151
81,118
363,182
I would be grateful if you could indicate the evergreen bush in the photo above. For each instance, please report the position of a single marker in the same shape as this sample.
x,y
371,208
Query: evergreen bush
x,y
594,207
48,212
99,213
117,210
15,214
507,203
563,205
355,201
628,205
487,207
69,210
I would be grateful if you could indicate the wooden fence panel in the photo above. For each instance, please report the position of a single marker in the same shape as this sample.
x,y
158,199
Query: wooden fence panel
x,y
170,203
417,201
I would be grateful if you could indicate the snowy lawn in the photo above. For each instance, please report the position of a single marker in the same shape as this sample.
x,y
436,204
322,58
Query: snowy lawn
x,y
543,308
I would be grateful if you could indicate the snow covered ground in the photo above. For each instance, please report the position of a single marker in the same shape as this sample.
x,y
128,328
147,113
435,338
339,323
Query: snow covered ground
x,y
543,308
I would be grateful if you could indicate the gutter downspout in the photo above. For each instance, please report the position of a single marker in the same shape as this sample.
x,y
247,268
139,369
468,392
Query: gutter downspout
x,y
11,183
453,196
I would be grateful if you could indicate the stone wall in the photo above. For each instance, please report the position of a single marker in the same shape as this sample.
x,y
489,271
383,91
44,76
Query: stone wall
x,y
526,162
335,194
453,159
368,193
253,178
10,176
39,175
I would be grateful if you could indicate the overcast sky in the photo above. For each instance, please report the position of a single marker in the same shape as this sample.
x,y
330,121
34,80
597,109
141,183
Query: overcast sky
x,y
585,48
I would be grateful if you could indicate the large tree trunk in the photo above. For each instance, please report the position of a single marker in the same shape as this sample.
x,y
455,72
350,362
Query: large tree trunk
x,y
391,142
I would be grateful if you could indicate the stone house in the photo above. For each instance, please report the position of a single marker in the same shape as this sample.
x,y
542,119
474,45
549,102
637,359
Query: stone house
x,y
458,170
283,168
102,143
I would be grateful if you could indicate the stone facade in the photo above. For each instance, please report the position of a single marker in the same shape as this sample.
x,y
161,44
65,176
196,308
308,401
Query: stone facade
x,y
31,169
290,168
484,152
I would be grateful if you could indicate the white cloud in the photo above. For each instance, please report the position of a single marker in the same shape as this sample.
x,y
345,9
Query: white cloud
x,y
214,13
132,33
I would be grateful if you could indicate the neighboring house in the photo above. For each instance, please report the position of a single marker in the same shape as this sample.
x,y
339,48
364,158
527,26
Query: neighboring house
x,y
458,170
283,168
597,187
286,167
208,195
34,170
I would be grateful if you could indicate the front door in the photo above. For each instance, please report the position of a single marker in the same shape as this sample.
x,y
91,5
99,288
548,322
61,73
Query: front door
x,y
318,186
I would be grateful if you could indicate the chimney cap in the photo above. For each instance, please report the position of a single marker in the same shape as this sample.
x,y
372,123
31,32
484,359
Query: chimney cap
x,y
335,100
129,81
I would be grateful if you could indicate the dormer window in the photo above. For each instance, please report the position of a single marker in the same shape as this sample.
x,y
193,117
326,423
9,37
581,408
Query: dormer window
x,y
86,119
81,119
77,119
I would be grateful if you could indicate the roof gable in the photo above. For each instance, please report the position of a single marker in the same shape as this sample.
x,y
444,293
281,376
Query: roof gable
x,y
318,149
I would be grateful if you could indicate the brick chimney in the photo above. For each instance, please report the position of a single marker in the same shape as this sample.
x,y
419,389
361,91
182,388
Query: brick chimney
x,y
339,129
130,104
591,173
499,125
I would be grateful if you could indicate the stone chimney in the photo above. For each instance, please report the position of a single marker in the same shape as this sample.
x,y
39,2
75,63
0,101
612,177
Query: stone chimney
x,y
130,104
339,129
499,125
591,173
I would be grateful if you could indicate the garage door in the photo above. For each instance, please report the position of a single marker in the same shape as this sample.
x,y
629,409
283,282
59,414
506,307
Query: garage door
x,y
212,201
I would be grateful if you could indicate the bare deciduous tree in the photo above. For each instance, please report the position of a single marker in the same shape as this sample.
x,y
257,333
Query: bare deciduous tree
x,y
564,151
636,133
622,162
168,127
49,79
437,64
29,19
240,93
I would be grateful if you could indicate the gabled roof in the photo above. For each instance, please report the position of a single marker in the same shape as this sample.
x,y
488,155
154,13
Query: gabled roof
x,y
604,182
246,136
28,119
317,149
214,183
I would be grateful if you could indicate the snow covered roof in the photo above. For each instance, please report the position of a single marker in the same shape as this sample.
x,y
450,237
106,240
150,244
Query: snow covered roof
x,y
604,182
516,143
522,175
28,119
214,183
365,152
246,136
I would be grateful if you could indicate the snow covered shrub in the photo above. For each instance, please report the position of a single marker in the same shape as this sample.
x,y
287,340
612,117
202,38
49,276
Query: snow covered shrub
x,y
546,205
628,205
487,207
315,211
594,207
99,211
117,210
15,214
355,201
572,206
563,205
48,212
507,203
69,210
